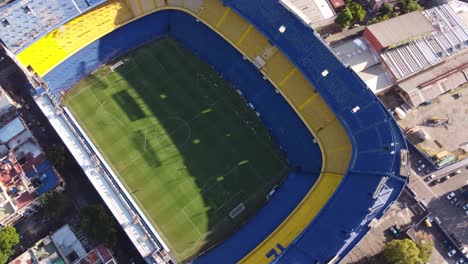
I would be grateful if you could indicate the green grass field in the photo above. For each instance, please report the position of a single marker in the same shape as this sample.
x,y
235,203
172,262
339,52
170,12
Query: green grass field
x,y
182,140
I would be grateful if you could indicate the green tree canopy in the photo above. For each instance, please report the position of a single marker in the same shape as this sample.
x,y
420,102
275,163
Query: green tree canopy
x,y
99,224
357,11
425,249
344,18
407,6
56,155
402,252
386,9
54,203
9,238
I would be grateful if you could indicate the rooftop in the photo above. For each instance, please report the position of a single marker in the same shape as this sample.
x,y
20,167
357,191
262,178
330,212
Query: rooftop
x,y
365,62
449,38
12,129
315,10
461,8
439,79
24,172
400,29
63,247
357,54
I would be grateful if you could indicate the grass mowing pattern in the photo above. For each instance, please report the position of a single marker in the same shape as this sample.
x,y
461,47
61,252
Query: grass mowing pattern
x,y
182,140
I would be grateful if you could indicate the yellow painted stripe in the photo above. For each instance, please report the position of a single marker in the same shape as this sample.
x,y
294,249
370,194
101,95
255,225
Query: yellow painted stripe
x,y
244,35
287,76
223,17
307,101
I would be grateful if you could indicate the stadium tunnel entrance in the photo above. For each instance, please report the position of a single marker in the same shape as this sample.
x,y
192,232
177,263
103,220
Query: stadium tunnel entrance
x,y
284,125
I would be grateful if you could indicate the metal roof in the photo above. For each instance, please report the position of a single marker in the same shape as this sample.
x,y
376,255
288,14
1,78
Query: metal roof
x,y
449,38
11,129
437,80
400,29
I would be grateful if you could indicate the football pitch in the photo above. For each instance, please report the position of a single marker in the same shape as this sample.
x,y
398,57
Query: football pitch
x,y
185,144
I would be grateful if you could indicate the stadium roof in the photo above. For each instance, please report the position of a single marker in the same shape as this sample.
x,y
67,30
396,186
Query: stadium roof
x,y
401,28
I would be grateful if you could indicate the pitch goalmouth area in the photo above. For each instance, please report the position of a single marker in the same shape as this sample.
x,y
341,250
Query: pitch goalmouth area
x,y
182,140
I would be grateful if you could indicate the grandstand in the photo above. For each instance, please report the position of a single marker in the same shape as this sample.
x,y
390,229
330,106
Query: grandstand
x,y
294,82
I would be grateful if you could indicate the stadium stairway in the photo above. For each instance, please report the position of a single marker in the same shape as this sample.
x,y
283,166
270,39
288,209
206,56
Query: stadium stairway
x,y
336,108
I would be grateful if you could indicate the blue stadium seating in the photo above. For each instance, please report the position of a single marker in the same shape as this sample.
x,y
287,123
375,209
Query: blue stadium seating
x,y
283,123
344,219
342,90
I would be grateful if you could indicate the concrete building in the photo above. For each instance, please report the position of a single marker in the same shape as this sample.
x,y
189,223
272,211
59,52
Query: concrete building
x,y
398,31
25,174
6,103
423,53
366,63
318,12
429,84
63,247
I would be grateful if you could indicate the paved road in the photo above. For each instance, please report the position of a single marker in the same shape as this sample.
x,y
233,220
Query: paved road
x,y
454,220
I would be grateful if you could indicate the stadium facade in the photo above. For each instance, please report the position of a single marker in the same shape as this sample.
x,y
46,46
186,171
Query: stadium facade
x,y
268,51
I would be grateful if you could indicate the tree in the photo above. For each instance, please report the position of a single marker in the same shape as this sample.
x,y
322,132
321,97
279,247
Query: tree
x,y
378,19
386,9
402,252
9,238
407,6
344,18
357,11
425,249
56,155
54,203
96,222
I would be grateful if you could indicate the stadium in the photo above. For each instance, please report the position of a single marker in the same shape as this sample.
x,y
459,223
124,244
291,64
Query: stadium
x,y
216,131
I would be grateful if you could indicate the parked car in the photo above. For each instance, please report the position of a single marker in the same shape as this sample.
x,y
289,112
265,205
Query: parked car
x,y
427,171
465,207
419,162
461,261
455,173
430,177
440,180
457,241
420,168
445,242
395,230
451,253
454,200
433,183
450,195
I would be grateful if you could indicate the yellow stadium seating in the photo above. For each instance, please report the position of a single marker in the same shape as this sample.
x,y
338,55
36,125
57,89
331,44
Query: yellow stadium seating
x,y
300,217
74,35
334,143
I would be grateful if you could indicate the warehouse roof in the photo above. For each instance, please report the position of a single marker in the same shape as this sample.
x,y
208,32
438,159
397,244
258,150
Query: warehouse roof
x,y
437,80
401,29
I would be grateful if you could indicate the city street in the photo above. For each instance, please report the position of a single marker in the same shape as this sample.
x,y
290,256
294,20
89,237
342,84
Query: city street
x,y
453,219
